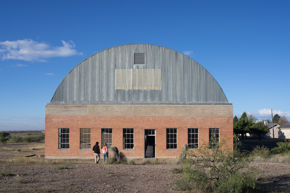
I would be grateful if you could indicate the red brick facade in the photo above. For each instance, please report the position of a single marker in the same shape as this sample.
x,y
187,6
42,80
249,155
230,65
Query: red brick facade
x,y
139,123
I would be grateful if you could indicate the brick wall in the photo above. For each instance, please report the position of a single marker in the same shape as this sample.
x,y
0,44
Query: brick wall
x,y
53,121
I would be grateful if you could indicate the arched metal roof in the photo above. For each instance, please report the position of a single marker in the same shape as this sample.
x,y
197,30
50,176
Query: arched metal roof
x,y
139,74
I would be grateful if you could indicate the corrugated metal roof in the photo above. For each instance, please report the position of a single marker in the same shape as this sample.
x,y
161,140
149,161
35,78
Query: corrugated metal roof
x,y
182,80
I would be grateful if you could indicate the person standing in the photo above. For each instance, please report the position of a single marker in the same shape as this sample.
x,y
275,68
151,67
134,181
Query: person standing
x,y
96,150
105,152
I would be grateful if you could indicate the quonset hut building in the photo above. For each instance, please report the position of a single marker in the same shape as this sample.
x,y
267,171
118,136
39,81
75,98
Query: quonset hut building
x,y
147,100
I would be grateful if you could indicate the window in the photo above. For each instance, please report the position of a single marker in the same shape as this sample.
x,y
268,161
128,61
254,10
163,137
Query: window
x,y
85,138
171,142
128,138
150,132
213,137
139,58
107,137
63,138
192,137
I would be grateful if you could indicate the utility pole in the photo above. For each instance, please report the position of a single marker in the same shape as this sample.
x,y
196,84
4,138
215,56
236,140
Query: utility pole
x,y
272,122
272,114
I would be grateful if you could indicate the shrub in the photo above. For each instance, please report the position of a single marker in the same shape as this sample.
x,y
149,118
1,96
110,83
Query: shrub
x,y
131,162
62,168
16,139
261,151
216,171
117,157
6,174
30,139
112,160
26,139
236,183
177,170
183,154
4,137
283,148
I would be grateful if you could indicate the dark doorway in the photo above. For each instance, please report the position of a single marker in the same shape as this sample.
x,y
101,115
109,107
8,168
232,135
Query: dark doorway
x,y
149,143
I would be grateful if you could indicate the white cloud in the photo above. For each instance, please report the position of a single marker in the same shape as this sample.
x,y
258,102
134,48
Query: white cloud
x,y
188,52
30,50
49,74
21,65
266,111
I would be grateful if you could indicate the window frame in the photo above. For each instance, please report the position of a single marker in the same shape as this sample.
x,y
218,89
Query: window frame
x,y
171,138
128,138
192,138
104,133
85,134
216,132
63,138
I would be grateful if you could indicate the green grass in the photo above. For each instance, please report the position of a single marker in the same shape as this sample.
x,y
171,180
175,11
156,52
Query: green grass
x,y
177,170
282,148
62,167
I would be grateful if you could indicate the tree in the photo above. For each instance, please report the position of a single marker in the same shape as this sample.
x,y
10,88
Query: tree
x,y
243,125
236,119
259,129
4,137
276,118
282,120
251,118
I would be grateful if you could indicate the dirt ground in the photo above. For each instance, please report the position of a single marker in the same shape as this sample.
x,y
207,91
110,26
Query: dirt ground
x,y
23,169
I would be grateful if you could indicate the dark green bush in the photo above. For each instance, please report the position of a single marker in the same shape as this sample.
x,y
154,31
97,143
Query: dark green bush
x,y
216,171
4,137
283,148
236,183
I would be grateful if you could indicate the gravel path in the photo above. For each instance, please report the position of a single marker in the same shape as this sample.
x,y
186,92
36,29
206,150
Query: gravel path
x,y
88,178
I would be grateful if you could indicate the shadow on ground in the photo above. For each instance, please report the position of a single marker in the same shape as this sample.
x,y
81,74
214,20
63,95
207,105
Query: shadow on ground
x,y
275,184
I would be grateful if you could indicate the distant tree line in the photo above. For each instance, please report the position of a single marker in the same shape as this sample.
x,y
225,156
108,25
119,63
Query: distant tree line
x,y
12,137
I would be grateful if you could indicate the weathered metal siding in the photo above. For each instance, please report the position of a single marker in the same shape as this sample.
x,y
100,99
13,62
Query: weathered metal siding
x,y
183,81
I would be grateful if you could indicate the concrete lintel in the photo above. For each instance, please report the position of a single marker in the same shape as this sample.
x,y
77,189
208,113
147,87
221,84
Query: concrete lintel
x,y
139,110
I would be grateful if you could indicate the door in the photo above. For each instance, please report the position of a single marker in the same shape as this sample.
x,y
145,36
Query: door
x,y
149,143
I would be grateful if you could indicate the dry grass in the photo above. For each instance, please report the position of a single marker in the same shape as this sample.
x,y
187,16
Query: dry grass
x,y
32,172
16,154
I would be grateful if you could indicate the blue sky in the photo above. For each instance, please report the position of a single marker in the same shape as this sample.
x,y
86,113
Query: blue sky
x,y
245,45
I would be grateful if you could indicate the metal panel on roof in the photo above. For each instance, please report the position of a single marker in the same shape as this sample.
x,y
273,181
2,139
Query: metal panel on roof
x,y
181,79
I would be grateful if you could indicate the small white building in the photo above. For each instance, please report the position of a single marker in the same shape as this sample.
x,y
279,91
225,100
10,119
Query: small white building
x,y
278,132
274,129
285,131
